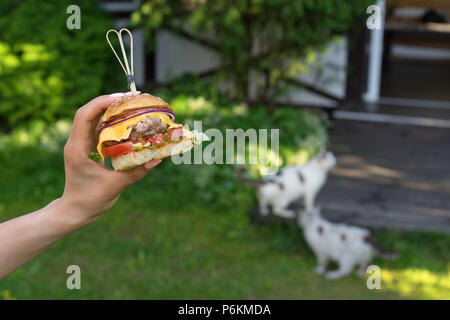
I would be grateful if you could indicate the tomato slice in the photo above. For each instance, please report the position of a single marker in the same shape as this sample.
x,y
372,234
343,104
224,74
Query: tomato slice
x,y
156,139
118,149
175,133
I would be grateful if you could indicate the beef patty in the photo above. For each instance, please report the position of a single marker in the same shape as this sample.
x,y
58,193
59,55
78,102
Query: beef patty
x,y
143,128
148,127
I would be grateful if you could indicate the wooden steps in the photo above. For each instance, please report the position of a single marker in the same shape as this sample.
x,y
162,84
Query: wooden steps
x,y
389,176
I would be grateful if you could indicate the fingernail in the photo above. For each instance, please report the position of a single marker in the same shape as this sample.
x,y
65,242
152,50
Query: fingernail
x,y
118,94
130,93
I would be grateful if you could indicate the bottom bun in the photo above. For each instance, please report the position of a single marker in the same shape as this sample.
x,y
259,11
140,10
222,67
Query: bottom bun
x,y
137,158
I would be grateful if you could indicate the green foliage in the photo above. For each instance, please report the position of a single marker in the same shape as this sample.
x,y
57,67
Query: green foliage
x,y
46,70
281,30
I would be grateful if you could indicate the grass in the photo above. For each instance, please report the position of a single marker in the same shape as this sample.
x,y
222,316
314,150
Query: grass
x,y
183,233
153,254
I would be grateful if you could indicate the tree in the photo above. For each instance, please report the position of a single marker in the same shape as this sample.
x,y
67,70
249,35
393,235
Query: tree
x,y
268,36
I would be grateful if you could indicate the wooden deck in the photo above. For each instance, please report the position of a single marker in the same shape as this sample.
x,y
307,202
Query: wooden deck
x,y
389,176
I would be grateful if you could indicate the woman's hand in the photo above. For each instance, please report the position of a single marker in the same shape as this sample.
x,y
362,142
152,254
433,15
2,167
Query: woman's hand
x,y
91,188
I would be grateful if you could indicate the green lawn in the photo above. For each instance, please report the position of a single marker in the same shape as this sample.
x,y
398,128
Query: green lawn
x,y
147,253
183,233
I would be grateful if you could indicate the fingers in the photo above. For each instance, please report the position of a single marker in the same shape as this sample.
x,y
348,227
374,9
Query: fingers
x,y
96,107
151,164
128,177
86,119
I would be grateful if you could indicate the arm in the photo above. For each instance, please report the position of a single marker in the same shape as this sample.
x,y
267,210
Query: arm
x,y
90,190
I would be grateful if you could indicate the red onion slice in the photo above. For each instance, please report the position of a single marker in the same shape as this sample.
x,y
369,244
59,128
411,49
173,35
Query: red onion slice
x,y
124,115
139,113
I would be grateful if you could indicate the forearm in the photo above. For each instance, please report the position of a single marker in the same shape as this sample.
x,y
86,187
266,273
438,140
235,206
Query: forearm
x,y
83,201
25,237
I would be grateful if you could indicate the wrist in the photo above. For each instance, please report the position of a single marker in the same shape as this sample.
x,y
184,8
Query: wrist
x,y
64,217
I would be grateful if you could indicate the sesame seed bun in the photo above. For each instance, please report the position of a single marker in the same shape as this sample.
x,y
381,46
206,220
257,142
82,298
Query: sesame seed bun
x,y
133,102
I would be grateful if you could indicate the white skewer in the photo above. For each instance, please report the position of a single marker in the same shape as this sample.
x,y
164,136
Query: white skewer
x,y
129,72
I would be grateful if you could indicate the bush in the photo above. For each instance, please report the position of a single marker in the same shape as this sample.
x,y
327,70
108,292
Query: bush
x,y
302,132
47,70
267,36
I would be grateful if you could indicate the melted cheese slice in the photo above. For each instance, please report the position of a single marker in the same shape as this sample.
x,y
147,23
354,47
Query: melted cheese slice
x,y
122,130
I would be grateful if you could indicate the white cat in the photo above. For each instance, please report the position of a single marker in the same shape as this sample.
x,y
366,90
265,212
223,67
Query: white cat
x,y
276,192
349,246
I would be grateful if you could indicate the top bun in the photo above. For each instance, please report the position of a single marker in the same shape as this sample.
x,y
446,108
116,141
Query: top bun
x,y
133,102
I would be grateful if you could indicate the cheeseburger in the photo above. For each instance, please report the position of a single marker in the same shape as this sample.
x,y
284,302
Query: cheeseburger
x,y
138,128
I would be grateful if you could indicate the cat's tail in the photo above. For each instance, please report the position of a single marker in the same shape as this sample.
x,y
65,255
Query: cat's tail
x,y
386,254
239,173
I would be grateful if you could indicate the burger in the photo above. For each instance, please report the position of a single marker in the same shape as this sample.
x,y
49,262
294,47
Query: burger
x,y
138,128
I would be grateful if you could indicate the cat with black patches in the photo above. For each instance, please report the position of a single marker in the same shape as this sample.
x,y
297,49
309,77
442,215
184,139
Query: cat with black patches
x,y
276,192
349,246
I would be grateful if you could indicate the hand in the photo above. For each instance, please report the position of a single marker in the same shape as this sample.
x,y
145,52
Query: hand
x,y
91,188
